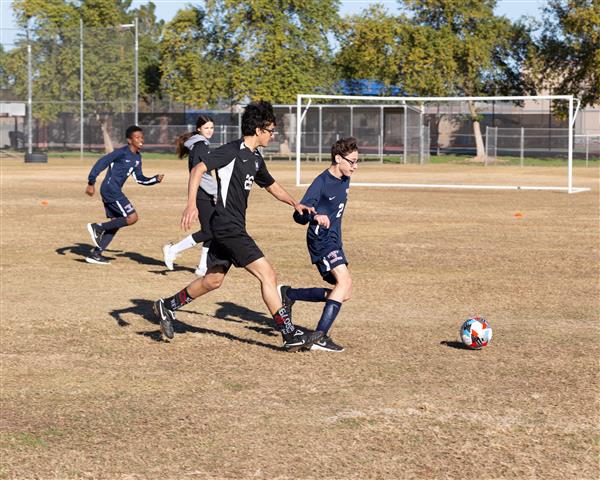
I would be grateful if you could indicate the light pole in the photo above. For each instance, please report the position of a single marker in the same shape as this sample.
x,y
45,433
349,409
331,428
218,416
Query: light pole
x,y
134,25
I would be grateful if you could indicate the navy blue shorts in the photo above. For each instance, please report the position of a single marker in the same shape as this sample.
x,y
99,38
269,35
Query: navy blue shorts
x,y
121,207
327,263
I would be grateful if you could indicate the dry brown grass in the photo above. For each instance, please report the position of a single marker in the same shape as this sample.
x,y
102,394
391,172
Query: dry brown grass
x,y
90,391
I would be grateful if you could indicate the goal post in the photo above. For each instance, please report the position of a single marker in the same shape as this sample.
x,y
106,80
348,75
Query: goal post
x,y
410,119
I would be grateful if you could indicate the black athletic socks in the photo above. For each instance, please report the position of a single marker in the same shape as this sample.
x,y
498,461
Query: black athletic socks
x,y
178,300
283,321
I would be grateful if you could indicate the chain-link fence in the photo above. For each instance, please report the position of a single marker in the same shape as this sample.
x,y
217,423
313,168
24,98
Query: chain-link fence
x,y
528,144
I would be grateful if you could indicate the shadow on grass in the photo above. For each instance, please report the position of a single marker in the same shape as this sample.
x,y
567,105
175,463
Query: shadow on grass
x,y
83,250
453,344
228,311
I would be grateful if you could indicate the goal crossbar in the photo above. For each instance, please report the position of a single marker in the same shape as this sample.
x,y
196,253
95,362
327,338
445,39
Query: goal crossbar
x,y
301,115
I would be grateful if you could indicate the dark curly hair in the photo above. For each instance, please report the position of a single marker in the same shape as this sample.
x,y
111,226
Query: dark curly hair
x,y
257,115
343,147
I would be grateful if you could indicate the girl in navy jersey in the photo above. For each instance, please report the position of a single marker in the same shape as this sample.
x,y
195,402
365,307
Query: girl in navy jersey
x,y
328,195
195,145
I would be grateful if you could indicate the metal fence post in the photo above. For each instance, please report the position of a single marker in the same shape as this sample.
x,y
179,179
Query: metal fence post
x,y
522,144
81,123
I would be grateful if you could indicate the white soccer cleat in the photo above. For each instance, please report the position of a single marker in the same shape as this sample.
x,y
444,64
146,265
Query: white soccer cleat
x,y
168,257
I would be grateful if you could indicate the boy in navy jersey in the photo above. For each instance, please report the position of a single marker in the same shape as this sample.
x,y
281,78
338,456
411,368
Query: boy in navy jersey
x,y
328,195
239,164
121,163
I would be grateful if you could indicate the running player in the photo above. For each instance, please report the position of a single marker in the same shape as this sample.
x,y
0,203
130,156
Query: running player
x,y
239,164
195,145
328,194
121,163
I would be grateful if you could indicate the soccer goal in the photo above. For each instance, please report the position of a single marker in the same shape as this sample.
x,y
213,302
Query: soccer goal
x,y
442,142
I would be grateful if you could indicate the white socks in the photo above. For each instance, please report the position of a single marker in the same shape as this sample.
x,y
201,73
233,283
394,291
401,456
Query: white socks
x,y
201,270
187,242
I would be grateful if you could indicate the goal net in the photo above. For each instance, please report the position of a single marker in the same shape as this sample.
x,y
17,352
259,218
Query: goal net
x,y
443,142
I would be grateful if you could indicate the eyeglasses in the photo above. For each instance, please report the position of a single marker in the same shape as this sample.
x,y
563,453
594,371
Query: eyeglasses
x,y
353,163
270,130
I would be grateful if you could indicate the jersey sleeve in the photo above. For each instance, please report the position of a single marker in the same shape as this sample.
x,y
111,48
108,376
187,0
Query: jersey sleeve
x,y
263,178
313,194
310,199
101,165
218,158
139,177
199,152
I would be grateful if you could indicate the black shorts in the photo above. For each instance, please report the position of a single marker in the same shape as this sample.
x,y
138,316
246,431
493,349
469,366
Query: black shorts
x,y
238,249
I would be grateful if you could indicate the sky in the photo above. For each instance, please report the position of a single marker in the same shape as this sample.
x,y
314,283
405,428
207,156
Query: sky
x,y
165,9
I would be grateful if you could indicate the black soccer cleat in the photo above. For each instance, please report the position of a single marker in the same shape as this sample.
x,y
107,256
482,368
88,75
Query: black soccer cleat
x,y
326,344
165,317
294,341
97,259
95,233
285,300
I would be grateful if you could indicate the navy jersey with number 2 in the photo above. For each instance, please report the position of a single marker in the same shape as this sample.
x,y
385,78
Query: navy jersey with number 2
x,y
328,195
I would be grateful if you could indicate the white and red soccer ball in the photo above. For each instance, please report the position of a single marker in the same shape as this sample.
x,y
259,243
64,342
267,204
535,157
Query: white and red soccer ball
x,y
476,333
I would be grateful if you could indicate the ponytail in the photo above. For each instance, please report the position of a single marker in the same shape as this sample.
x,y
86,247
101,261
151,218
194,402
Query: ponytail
x,y
180,148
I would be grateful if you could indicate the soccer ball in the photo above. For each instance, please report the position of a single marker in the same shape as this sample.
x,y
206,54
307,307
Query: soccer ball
x,y
476,333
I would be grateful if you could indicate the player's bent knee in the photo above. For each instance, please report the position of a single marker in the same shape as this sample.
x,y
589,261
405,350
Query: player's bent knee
x,y
131,219
212,282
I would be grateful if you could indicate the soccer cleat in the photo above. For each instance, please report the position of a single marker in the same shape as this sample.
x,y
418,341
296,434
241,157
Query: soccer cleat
x,y
287,303
97,259
169,257
95,233
165,317
294,341
327,344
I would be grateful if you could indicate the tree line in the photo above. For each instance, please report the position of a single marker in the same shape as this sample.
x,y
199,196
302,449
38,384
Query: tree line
x,y
223,52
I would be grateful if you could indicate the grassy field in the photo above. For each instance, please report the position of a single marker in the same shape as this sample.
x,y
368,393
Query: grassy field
x,y
90,391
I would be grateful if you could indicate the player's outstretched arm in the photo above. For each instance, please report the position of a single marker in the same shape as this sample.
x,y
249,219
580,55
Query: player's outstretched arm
x,y
190,214
283,196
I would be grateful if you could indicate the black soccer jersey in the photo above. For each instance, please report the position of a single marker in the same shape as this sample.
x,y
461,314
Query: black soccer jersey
x,y
237,168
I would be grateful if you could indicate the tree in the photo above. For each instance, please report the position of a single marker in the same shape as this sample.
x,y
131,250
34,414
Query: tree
x,y
438,48
488,51
55,39
570,49
234,51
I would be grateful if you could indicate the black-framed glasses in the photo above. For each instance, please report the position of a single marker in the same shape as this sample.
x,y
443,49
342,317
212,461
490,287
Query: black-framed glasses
x,y
270,130
353,163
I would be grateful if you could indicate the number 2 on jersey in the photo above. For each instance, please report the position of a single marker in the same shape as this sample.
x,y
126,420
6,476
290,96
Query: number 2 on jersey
x,y
341,209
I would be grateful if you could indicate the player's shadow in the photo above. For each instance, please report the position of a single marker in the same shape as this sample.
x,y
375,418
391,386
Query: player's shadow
x,y
232,312
143,308
145,260
82,250
453,344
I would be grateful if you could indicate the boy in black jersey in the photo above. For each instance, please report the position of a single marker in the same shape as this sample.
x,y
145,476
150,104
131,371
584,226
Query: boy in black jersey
x,y
328,194
239,165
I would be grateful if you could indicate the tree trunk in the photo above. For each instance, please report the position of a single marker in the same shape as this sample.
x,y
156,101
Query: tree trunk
x,y
480,156
103,121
